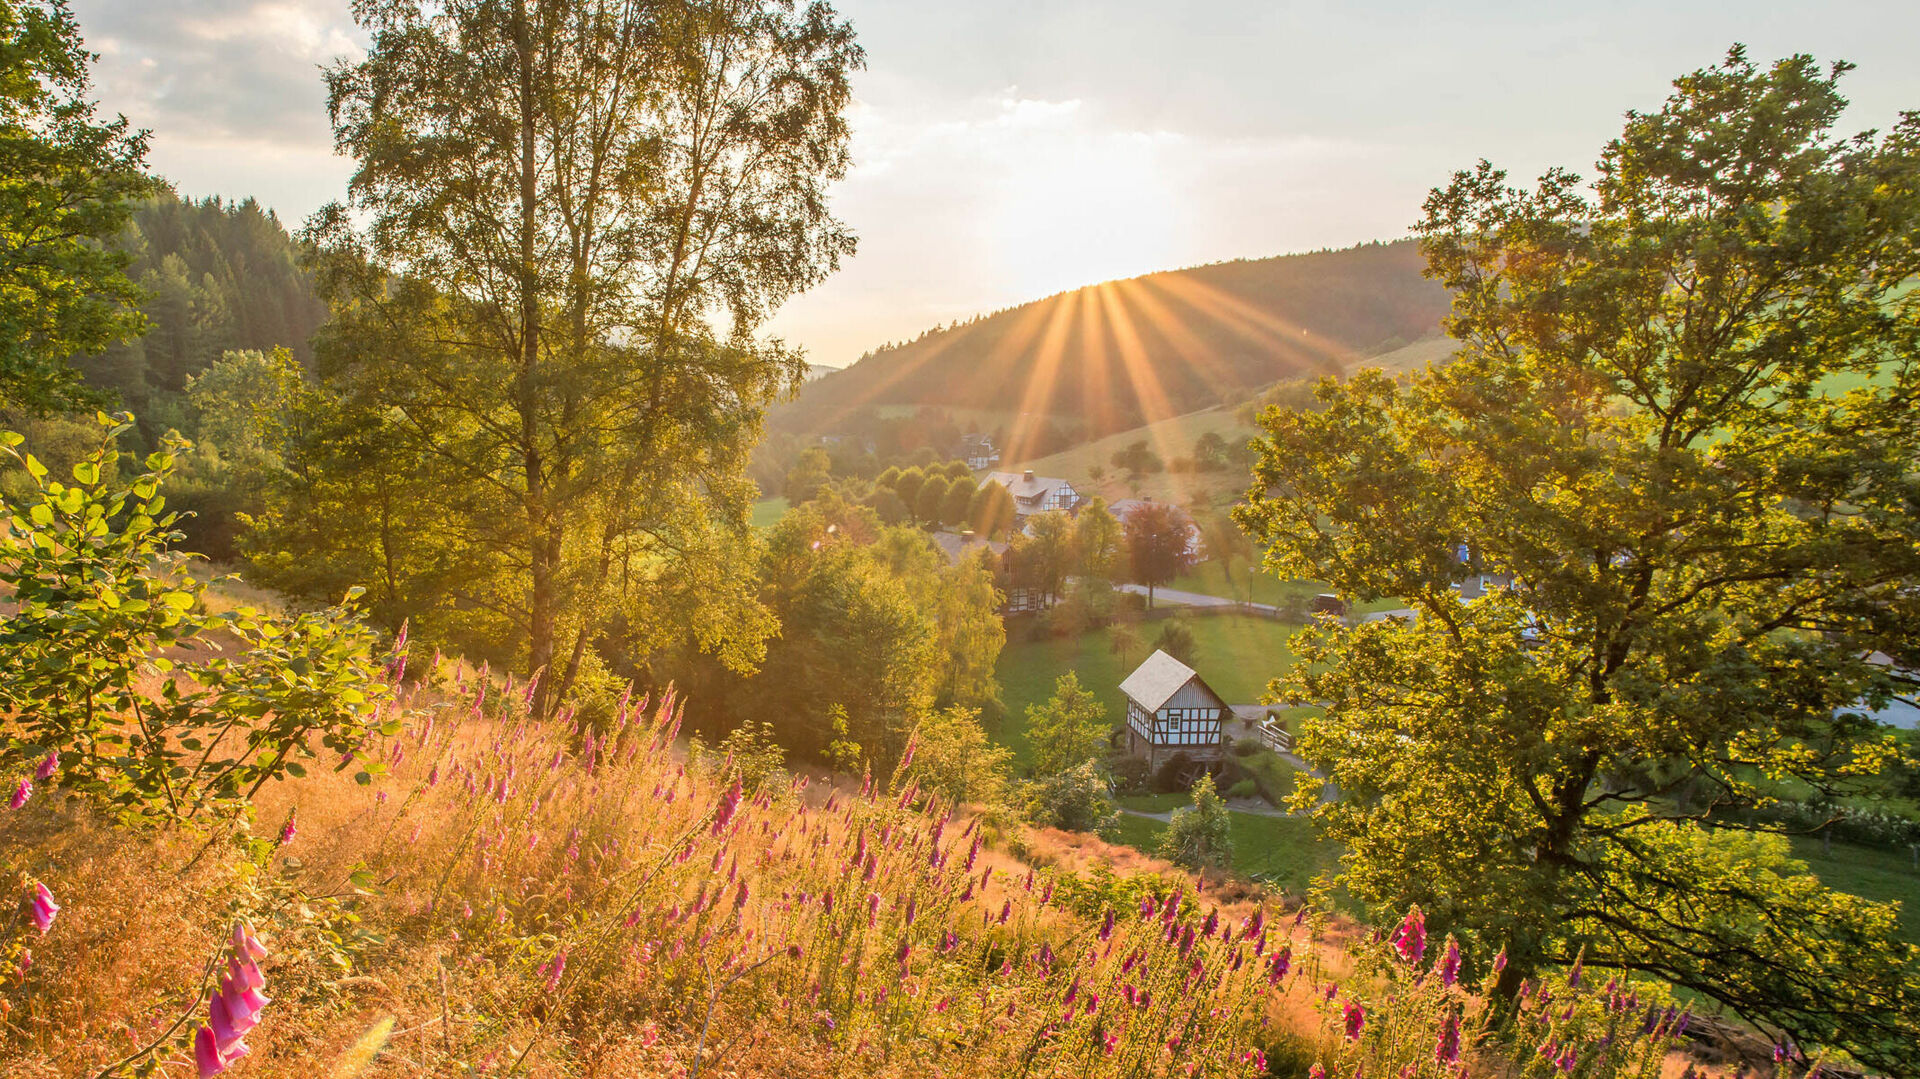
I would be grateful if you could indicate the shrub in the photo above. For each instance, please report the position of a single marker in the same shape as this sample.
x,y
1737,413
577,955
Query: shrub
x,y
1245,788
103,598
1078,799
1199,836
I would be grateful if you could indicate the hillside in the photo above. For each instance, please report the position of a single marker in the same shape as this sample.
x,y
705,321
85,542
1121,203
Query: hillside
x,y
1113,356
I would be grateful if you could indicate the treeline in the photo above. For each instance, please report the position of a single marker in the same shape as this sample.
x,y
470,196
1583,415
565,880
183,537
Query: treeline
x,y
214,276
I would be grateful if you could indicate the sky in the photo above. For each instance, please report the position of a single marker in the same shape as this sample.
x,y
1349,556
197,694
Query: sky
x,y
1005,150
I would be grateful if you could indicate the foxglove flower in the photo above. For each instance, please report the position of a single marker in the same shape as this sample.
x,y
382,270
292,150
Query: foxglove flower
x,y
1410,940
1277,969
44,908
47,766
1450,963
1447,1049
287,830
1355,1019
729,804
20,794
206,1054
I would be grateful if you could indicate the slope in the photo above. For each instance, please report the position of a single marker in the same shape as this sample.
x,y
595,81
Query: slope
x,y
1113,356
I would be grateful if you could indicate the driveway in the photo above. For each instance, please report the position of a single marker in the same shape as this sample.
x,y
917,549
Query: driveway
x,y
1178,598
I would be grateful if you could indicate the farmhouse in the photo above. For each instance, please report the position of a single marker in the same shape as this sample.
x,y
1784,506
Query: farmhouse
x,y
1171,709
977,451
1036,494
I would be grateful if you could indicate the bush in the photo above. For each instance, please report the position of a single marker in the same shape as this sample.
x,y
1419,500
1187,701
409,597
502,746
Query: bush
x,y
1245,788
1200,836
1130,773
1078,799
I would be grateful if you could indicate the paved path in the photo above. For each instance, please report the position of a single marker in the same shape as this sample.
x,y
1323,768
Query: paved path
x,y
1196,599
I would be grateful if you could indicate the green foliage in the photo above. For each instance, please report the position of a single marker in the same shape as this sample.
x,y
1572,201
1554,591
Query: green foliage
x,y
104,602
563,326
1069,730
959,500
992,509
1199,836
1076,799
954,758
1136,460
931,501
810,474
1176,639
1681,419
1158,536
1099,544
69,185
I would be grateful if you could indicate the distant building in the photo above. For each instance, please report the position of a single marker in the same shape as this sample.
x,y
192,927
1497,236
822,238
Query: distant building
x,y
1171,709
1196,548
958,545
977,451
1036,494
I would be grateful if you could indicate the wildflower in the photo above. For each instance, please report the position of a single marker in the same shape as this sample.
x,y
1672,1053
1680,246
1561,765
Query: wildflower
x,y
873,908
1106,926
729,804
1277,969
1256,1058
1500,961
1410,940
47,766
1316,1072
206,1055
1354,1017
1579,964
287,830
245,943
555,969
740,897
1006,909
44,908
1447,1049
1450,963
913,906
20,794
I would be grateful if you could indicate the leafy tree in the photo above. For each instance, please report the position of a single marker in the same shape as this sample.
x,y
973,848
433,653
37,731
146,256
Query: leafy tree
x,y
70,182
958,501
1077,799
887,477
931,502
954,758
1681,418
1069,729
576,217
810,473
1158,536
1125,642
1176,639
887,506
992,509
1227,546
907,485
1046,548
103,602
1136,459
1098,542
1199,836
1210,452
957,469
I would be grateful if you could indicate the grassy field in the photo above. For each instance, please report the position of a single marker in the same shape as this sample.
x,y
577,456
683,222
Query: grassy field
x,y
1169,438
1237,654
767,511
1411,359
1281,851
1870,873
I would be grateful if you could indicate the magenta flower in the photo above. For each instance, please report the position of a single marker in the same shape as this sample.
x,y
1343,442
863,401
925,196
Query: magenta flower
x,y
1316,1072
729,804
1410,940
1106,925
555,969
1450,963
44,908
20,794
206,1054
1355,1019
1277,969
288,829
1500,961
47,766
1447,1049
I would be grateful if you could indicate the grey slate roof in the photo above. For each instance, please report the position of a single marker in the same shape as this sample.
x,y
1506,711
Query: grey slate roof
x,y
1156,679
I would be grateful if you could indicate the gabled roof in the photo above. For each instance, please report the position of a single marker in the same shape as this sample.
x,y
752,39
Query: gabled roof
x,y
956,546
1024,487
1157,679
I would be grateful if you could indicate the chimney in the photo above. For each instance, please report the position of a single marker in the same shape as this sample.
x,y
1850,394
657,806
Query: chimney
x,y
1029,475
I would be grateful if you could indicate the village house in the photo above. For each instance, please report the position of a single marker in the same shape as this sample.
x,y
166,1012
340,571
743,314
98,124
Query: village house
x,y
1171,709
977,451
959,545
1036,494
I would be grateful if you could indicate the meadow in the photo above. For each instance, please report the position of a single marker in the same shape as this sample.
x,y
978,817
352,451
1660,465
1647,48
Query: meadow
x,y
1236,654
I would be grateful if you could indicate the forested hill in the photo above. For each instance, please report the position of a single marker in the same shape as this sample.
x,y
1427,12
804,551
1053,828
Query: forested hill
x,y
1108,357
217,276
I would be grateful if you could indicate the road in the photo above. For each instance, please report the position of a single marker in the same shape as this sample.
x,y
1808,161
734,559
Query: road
x,y
1178,598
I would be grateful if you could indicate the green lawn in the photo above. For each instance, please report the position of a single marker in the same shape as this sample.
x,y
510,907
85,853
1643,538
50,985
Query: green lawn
x,y
1237,654
1870,873
1280,851
767,511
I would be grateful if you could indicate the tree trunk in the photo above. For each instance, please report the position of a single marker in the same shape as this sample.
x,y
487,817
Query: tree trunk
x,y
543,545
